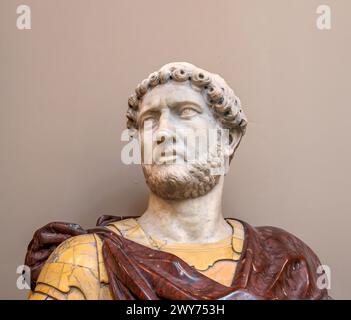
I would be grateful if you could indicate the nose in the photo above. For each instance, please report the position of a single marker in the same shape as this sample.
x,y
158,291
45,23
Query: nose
x,y
165,135
165,130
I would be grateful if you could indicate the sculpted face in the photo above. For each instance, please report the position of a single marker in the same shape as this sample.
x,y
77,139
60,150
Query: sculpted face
x,y
189,122
172,112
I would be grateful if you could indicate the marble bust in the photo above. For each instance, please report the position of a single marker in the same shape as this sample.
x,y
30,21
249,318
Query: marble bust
x,y
181,247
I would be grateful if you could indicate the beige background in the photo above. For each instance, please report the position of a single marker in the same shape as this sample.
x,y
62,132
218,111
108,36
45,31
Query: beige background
x,y
63,91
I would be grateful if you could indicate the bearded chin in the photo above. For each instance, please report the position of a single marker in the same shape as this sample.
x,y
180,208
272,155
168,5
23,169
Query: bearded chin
x,y
180,181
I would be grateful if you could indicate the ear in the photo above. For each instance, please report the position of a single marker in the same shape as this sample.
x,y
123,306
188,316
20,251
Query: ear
x,y
235,136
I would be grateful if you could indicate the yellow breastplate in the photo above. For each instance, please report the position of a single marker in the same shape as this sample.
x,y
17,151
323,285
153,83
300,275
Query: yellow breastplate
x,y
76,269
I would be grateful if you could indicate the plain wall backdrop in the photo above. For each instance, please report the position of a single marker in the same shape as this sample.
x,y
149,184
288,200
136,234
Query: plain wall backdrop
x,y
64,86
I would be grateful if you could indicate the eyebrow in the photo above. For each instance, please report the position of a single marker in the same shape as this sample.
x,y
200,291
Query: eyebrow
x,y
172,105
178,104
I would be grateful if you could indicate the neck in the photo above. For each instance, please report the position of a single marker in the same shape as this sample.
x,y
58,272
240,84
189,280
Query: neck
x,y
197,220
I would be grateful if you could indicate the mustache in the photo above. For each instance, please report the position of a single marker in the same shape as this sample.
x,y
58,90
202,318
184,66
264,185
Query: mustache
x,y
164,150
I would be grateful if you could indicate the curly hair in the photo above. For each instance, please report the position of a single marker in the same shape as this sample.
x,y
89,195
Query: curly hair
x,y
220,98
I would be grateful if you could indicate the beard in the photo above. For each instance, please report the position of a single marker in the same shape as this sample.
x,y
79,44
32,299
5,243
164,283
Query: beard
x,y
181,181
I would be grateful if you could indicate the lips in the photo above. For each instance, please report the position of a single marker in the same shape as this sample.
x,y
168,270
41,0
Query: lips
x,y
167,159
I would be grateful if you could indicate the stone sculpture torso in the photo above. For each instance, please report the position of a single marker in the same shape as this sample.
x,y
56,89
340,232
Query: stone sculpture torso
x,y
269,262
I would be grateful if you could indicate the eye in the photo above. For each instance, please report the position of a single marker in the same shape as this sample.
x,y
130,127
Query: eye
x,y
149,120
188,112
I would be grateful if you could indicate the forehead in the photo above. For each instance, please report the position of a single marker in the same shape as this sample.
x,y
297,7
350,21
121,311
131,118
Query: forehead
x,y
171,93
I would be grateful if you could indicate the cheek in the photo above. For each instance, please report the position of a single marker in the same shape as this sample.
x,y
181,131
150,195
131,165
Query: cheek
x,y
146,146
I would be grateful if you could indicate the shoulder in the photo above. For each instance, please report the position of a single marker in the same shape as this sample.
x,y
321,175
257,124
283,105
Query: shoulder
x,y
82,250
76,263
286,262
274,238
